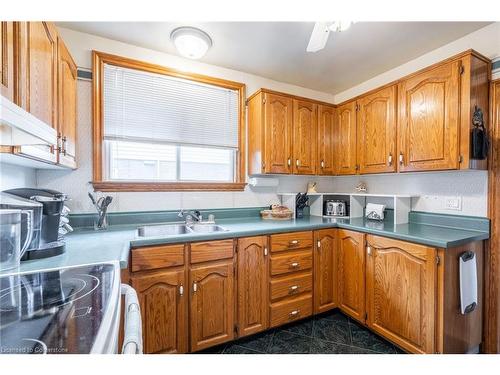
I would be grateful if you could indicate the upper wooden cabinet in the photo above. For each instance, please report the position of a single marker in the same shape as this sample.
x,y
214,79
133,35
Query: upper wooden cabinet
x,y
38,70
325,270
253,290
351,258
401,292
67,106
305,126
345,139
326,130
7,61
376,135
163,304
212,304
283,135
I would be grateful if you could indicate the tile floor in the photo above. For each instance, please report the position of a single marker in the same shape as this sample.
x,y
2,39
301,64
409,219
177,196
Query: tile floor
x,y
329,333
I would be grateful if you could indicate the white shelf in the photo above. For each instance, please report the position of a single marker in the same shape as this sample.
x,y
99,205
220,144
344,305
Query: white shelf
x,y
358,194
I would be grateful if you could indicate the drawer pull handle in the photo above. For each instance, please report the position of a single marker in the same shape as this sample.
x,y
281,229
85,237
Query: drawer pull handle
x,y
195,287
294,242
294,314
293,289
294,265
181,290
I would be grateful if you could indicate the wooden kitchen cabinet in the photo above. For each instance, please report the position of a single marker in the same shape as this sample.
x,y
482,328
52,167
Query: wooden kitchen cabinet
x,y
345,139
67,105
212,304
376,131
326,150
252,280
7,61
37,75
401,292
325,270
305,129
163,298
351,269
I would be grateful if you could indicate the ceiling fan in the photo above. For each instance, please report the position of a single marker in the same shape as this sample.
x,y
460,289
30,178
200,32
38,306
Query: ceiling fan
x,y
321,31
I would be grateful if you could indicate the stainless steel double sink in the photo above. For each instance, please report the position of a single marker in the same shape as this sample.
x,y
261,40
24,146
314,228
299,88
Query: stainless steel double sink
x,y
177,229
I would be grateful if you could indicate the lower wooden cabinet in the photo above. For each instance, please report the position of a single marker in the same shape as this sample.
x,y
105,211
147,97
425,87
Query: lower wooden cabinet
x,y
325,270
351,257
401,292
212,304
163,302
252,280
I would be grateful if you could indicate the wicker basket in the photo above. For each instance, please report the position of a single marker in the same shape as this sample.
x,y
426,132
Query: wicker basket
x,y
276,214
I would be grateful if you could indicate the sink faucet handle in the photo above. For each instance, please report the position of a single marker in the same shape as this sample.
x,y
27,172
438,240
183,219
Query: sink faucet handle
x,y
180,213
211,218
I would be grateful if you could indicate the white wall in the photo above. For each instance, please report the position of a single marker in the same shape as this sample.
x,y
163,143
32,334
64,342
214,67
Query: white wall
x,y
13,176
433,188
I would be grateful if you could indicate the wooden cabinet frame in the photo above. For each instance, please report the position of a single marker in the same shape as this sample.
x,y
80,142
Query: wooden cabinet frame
x,y
98,61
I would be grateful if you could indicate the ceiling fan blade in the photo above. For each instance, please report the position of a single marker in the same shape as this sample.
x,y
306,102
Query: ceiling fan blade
x,y
319,37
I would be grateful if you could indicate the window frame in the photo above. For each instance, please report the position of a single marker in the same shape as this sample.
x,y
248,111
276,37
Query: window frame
x,y
98,61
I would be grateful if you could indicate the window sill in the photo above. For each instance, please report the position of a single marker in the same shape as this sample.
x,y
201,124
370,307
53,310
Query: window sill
x,y
168,186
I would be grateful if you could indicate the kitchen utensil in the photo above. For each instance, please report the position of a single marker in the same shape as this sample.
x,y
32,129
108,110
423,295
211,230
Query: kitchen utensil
x,y
301,200
11,249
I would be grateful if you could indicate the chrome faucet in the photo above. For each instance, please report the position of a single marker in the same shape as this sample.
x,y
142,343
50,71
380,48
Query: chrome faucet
x,y
191,215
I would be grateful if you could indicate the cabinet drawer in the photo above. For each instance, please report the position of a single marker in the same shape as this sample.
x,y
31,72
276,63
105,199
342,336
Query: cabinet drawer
x,y
291,285
290,241
154,257
290,310
291,262
211,250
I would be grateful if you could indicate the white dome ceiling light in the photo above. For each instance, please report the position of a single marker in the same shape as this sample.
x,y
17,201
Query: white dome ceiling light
x,y
191,42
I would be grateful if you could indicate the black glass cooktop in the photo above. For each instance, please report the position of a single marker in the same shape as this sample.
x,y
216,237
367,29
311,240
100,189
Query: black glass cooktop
x,y
54,311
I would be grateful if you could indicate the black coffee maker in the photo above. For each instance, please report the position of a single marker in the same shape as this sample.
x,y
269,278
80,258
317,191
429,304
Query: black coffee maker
x,y
54,223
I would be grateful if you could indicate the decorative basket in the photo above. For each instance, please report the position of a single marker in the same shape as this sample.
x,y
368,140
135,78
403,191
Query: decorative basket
x,y
282,214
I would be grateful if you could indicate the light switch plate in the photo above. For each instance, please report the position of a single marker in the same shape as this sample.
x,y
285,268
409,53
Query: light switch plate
x,y
453,203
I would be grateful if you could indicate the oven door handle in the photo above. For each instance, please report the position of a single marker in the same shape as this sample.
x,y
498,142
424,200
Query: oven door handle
x,y
132,337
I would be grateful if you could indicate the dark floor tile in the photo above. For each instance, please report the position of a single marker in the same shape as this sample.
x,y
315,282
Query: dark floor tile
x,y
332,315
327,347
289,343
332,329
259,342
237,349
365,339
304,328
213,350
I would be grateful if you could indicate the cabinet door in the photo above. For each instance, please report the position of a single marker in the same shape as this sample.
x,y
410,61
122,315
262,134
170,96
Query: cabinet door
x,y
305,128
429,118
325,270
401,292
352,273
66,84
38,70
326,129
376,124
7,60
345,139
278,133
253,296
212,304
163,301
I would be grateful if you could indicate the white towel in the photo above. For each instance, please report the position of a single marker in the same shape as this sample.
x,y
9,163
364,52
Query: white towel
x,y
375,211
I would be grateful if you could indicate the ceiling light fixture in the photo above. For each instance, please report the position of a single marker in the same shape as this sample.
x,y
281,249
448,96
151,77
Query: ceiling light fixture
x,y
191,42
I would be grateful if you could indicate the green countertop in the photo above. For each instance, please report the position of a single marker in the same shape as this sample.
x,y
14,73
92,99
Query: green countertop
x,y
86,246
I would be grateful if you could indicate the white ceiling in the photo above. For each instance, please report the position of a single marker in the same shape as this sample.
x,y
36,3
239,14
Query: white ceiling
x,y
277,50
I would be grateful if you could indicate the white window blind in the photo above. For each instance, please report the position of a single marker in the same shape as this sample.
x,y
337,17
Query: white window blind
x,y
142,106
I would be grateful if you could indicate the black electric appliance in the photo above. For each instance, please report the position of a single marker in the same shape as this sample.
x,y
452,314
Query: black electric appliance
x,y
56,311
51,241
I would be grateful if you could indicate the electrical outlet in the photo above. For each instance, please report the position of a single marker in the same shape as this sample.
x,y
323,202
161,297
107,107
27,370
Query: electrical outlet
x,y
453,203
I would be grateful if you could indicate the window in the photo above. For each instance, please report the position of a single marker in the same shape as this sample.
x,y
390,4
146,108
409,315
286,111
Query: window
x,y
158,129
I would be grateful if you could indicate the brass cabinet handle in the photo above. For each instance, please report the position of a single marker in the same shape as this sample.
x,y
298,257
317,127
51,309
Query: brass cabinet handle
x,y
265,251
318,244
294,265
293,289
195,287
322,164
59,146
369,250
294,313
401,158
297,162
389,160
294,242
289,162
181,290
64,140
